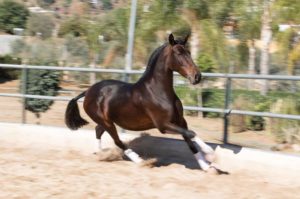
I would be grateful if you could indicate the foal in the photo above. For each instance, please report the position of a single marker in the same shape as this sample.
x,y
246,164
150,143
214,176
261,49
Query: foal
x,y
151,102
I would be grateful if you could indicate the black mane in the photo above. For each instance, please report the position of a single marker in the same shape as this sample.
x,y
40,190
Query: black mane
x,y
153,59
154,56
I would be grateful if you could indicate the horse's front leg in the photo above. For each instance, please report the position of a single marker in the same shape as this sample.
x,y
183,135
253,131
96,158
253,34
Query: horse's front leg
x,y
204,160
206,149
181,122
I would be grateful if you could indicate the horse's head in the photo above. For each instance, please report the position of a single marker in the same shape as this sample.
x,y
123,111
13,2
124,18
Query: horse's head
x,y
180,60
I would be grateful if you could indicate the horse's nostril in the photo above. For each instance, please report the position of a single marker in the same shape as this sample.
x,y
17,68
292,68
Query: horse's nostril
x,y
198,77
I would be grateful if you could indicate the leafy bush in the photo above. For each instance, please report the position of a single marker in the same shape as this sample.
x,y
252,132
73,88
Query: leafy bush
x,y
12,15
75,26
39,52
41,82
40,23
107,5
45,3
9,74
206,63
214,98
77,54
18,47
189,97
239,122
77,47
286,130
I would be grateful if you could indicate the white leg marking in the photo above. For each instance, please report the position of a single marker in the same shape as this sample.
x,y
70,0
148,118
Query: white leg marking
x,y
99,145
204,147
201,161
133,156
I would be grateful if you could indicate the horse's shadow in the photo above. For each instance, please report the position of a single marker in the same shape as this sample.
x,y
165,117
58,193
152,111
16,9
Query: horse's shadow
x,y
167,151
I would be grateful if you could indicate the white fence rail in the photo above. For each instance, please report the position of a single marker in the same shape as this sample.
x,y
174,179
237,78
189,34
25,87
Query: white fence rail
x,y
226,110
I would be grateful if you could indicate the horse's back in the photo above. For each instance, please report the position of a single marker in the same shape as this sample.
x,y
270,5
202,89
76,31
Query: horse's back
x,y
104,87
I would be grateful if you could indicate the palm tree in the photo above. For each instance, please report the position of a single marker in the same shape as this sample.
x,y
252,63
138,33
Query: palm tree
x,y
248,14
266,38
288,12
113,27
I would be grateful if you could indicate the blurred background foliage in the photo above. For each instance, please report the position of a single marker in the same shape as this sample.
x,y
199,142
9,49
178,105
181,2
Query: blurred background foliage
x,y
224,31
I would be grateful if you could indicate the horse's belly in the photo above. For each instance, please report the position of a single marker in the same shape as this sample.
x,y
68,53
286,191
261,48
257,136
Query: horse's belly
x,y
134,121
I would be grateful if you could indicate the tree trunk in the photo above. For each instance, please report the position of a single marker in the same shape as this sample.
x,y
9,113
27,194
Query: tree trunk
x,y
195,42
251,61
199,100
109,56
190,17
93,66
266,37
38,117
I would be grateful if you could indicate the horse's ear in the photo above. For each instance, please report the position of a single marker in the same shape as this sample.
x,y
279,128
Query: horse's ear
x,y
171,39
186,38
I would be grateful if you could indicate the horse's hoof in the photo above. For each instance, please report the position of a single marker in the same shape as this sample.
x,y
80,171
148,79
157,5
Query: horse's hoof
x,y
148,163
191,134
210,157
212,170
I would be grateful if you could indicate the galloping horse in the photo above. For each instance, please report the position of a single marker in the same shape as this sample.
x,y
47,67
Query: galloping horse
x,y
151,102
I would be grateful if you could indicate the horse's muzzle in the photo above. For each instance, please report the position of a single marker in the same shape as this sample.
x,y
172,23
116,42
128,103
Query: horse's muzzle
x,y
195,79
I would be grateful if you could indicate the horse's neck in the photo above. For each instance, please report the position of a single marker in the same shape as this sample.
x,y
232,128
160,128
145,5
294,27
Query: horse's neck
x,y
158,77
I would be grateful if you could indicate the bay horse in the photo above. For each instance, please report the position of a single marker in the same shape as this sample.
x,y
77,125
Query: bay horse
x,y
149,103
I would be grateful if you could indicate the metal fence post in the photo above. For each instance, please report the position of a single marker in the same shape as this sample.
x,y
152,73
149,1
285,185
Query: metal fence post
x,y
24,91
130,44
226,107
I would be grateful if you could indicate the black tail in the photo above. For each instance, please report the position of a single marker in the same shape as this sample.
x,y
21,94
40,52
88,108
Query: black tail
x,y
73,120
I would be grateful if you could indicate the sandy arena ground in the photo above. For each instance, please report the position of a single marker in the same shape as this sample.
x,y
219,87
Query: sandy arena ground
x,y
46,162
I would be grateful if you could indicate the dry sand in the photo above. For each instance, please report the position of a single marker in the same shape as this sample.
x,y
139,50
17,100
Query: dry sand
x,y
46,162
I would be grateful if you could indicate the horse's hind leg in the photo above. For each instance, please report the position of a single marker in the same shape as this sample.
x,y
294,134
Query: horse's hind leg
x,y
111,129
99,132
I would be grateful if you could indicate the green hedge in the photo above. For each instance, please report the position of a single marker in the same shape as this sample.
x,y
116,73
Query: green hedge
x,y
214,98
6,73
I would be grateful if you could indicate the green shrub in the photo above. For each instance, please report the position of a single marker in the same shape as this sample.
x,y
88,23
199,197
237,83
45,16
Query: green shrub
x,y
12,15
9,74
41,82
255,123
188,96
214,98
239,122
40,23
45,3
75,26
286,130
206,63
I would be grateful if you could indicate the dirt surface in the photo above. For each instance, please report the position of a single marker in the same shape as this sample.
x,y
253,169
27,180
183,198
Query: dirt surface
x,y
40,162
